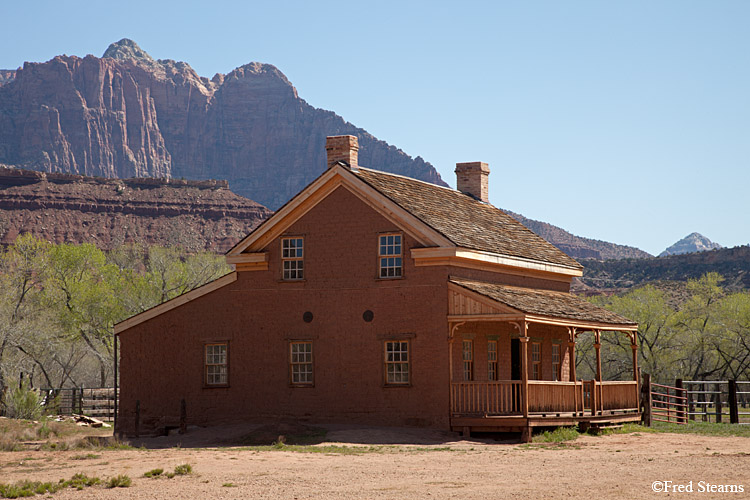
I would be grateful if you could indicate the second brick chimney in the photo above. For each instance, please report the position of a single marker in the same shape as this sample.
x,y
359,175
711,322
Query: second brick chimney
x,y
343,148
473,179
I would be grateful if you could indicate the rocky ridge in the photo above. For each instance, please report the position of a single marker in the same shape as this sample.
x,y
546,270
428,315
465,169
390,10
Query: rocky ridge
x,y
196,215
693,242
577,246
129,115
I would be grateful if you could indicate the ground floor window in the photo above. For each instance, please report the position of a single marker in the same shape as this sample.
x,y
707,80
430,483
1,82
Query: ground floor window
x,y
492,360
467,355
216,365
301,362
397,362
555,362
536,361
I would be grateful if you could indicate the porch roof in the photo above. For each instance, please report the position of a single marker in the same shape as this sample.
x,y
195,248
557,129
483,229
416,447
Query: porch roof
x,y
549,304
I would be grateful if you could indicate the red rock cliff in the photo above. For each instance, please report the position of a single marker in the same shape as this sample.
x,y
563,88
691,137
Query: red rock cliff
x,y
127,115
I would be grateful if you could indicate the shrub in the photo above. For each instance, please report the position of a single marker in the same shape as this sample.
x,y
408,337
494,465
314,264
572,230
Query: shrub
x,y
120,481
154,473
183,469
23,402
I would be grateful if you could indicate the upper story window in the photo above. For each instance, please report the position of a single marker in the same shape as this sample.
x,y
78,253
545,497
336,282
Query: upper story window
x,y
216,365
389,255
292,258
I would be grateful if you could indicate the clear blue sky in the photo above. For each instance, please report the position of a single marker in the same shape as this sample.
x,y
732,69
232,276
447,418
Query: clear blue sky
x,y
624,121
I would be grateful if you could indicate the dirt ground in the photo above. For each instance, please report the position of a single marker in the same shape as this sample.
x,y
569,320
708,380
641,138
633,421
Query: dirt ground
x,y
404,464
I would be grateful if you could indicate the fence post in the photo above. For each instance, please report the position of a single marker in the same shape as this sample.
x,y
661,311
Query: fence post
x,y
646,389
679,411
691,406
717,399
734,413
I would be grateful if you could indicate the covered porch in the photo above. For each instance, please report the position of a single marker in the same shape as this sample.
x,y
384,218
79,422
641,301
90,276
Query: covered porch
x,y
512,360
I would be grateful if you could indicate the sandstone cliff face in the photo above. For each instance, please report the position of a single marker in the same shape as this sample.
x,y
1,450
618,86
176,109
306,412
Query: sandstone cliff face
x,y
69,208
128,115
6,75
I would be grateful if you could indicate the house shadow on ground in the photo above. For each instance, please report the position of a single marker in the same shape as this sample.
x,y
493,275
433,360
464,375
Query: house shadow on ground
x,y
297,433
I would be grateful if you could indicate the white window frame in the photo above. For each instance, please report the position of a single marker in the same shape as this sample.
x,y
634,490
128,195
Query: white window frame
x,y
397,362
390,255
301,364
292,258
216,364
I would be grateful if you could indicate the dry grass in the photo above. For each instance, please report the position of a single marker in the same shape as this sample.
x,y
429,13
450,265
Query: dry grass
x,y
18,435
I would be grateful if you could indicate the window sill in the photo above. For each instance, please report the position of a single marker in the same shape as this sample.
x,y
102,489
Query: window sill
x,y
291,281
389,278
216,386
302,386
396,386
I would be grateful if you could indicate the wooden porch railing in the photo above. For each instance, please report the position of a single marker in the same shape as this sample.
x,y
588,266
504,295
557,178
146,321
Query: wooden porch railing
x,y
547,397
619,395
486,398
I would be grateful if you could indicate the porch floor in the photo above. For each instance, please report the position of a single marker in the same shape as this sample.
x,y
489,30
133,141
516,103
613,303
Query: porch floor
x,y
519,423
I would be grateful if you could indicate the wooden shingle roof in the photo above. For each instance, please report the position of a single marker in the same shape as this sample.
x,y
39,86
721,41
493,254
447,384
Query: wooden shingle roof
x,y
548,303
465,221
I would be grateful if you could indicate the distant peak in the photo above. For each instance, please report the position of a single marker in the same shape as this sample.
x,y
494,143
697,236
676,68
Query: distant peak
x,y
127,49
693,242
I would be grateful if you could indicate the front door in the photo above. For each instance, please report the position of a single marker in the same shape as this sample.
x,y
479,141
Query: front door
x,y
515,359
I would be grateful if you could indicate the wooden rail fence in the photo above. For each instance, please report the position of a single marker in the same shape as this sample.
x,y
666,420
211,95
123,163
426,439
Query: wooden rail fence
x,y
688,399
94,402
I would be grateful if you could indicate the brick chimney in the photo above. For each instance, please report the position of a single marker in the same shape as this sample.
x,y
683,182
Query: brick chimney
x,y
342,148
473,178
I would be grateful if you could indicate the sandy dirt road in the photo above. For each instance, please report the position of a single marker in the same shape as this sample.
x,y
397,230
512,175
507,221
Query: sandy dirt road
x,y
432,465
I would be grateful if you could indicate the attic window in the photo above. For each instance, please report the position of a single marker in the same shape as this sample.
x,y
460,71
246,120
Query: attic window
x,y
292,258
389,255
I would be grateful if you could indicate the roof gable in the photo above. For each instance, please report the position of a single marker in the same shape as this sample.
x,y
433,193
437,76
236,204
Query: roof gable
x,y
435,216
332,179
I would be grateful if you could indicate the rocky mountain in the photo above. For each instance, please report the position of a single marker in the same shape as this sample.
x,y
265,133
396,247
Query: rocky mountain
x,y
577,246
6,75
612,276
129,115
694,242
70,208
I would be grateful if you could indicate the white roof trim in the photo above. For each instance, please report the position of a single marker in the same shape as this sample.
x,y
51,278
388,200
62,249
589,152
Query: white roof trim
x,y
493,258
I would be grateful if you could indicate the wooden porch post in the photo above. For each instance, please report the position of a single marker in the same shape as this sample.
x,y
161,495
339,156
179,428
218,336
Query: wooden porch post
x,y
572,366
524,341
634,347
597,347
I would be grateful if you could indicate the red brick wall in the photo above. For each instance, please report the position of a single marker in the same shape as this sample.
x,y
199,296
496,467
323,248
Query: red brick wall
x,y
162,360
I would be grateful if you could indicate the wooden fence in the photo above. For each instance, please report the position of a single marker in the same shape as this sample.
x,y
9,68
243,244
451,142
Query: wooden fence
x,y
94,402
717,400
689,399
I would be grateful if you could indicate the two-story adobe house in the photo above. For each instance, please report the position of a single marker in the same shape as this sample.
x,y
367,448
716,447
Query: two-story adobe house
x,y
377,299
